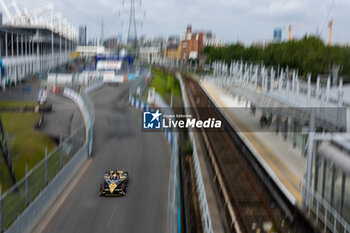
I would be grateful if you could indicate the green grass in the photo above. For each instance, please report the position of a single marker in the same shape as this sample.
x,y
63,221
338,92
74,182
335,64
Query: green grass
x,y
20,104
29,146
17,104
25,143
165,84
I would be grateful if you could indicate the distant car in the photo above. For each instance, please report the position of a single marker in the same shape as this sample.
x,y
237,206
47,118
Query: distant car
x,y
114,183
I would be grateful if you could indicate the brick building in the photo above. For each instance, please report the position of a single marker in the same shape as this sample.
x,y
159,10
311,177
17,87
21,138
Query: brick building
x,y
192,44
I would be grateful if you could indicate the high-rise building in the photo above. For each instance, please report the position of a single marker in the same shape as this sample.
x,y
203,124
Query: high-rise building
x,y
277,34
111,43
82,35
94,41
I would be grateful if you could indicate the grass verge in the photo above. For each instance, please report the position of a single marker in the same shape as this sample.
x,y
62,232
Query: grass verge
x,y
26,145
21,105
165,84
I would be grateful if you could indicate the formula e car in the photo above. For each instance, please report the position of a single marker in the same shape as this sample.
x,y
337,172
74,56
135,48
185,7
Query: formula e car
x,y
114,183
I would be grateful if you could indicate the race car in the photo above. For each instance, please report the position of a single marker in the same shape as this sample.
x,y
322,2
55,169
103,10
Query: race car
x,y
114,183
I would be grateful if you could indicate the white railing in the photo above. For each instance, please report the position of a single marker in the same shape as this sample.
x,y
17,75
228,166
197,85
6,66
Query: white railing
x,y
323,212
205,214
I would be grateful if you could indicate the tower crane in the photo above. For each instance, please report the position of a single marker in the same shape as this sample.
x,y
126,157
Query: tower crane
x,y
290,32
292,27
330,25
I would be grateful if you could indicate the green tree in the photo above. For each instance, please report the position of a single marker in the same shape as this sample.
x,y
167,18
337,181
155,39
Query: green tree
x,y
308,55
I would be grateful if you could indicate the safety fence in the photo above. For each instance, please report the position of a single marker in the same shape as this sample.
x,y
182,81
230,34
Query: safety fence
x,y
22,206
205,214
318,208
15,200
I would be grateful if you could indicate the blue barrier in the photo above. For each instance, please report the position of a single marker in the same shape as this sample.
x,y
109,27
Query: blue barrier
x,y
26,89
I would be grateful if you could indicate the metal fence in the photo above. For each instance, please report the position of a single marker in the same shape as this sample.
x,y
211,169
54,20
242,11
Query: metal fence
x,y
37,209
318,208
15,200
205,214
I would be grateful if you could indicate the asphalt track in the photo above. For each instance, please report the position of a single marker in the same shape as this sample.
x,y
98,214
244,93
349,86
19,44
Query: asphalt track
x,y
118,143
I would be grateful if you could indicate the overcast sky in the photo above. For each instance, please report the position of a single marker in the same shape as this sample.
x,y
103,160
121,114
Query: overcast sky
x,y
248,20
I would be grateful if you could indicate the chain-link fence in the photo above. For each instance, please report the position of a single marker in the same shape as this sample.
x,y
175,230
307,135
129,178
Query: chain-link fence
x,y
15,200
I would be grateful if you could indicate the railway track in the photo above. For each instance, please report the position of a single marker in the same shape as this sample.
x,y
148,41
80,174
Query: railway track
x,y
248,205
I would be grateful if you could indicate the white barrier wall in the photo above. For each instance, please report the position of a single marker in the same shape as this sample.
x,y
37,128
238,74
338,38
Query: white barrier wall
x,y
60,78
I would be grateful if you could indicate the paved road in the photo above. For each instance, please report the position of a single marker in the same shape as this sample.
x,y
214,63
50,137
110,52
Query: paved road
x,y
119,143
64,118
